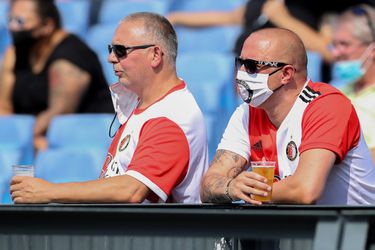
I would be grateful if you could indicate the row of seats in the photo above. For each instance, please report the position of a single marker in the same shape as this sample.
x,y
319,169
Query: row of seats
x,y
77,148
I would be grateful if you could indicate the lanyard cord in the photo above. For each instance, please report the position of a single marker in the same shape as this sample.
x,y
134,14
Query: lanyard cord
x,y
110,127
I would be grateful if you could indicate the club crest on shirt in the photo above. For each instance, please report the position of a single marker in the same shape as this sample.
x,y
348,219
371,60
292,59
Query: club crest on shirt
x,y
124,143
291,151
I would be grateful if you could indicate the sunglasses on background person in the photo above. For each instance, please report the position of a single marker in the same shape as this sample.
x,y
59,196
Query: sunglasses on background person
x,y
122,51
253,66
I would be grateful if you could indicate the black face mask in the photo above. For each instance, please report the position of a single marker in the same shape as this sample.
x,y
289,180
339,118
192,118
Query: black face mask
x,y
23,42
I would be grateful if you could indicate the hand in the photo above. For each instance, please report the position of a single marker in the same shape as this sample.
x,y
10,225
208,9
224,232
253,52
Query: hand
x,y
40,142
275,10
25,189
247,184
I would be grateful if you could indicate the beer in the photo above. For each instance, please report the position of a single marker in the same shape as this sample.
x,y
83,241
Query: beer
x,y
266,169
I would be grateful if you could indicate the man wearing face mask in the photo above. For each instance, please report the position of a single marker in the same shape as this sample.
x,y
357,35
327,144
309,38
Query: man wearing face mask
x,y
311,130
354,51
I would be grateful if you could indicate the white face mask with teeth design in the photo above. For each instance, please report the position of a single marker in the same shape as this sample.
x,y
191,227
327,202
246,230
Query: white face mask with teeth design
x,y
253,88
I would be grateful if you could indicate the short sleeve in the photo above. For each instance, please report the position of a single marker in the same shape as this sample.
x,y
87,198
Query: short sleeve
x,y
161,158
330,122
236,136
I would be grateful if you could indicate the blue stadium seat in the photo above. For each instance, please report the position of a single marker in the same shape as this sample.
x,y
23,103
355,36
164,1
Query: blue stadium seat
x,y
4,9
206,75
215,39
16,137
75,15
69,165
205,5
98,37
16,147
115,10
80,131
314,66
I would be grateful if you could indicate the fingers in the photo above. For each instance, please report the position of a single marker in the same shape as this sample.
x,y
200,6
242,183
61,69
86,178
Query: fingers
x,y
18,179
247,184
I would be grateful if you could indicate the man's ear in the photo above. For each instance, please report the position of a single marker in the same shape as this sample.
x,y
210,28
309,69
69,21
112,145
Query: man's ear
x,y
287,74
157,56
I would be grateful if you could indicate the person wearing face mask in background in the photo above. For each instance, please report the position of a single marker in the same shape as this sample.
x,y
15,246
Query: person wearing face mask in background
x,y
354,69
48,71
311,130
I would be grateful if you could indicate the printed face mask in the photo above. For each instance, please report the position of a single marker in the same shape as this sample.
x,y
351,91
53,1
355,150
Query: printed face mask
x,y
253,88
352,70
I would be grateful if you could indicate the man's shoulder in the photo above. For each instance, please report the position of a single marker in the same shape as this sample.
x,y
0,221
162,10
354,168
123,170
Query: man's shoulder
x,y
321,90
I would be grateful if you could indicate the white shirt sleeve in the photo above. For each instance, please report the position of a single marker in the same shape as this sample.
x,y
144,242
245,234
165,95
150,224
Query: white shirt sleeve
x,y
236,134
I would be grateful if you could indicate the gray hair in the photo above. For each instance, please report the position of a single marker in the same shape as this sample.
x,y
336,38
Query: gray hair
x,y
160,31
363,24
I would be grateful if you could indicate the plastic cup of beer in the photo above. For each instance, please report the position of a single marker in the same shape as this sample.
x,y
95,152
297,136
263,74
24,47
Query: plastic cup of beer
x,y
23,170
266,169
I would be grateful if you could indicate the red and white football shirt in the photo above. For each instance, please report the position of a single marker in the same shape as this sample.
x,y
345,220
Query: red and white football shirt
x,y
164,146
321,117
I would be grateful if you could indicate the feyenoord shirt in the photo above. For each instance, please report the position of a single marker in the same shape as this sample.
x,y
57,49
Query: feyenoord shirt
x,y
321,117
163,146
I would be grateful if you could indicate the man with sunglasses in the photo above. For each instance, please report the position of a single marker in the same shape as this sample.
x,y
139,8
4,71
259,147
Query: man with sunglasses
x,y
354,70
159,153
310,130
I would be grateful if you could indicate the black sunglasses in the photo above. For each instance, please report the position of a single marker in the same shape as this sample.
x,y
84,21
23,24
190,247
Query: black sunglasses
x,y
360,11
122,51
252,66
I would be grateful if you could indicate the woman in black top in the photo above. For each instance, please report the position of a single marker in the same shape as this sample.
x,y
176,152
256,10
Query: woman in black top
x,y
48,71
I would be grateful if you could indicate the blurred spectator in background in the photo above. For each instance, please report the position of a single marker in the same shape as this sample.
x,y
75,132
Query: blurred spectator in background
x,y
48,71
302,17
159,153
354,71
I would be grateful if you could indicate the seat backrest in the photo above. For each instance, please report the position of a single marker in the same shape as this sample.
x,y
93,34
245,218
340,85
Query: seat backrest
x,y
69,165
80,131
75,15
205,5
208,39
115,10
314,66
206,75
98,37
16,135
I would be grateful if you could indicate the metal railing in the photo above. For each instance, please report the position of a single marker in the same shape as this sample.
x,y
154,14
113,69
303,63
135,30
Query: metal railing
x,y
179,226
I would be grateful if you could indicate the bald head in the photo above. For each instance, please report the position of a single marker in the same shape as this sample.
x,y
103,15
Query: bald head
x,y
278,45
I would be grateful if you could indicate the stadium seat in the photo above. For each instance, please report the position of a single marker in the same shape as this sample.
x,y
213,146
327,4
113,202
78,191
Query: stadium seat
x,y
206,5
16,137
314,66
4,9
75,15
206,74
115,10
209,39
80,131
69,165
98,37
16,147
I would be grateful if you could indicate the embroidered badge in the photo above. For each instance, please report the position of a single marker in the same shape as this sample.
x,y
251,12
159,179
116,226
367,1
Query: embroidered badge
x,y
291,151
124,143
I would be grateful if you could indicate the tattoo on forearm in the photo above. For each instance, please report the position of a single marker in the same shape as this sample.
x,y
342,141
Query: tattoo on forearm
x,y
229,165
211,185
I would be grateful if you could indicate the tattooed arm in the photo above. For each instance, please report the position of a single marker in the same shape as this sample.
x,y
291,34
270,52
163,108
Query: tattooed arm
x,y
228,168
67,84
